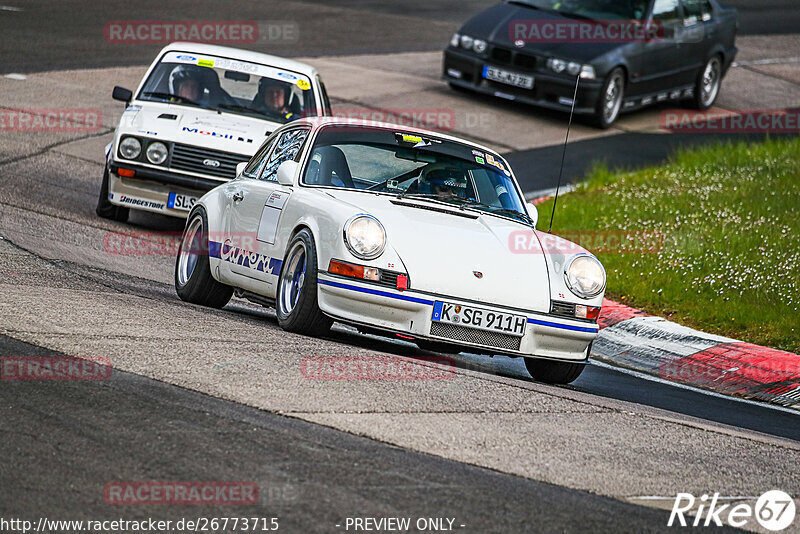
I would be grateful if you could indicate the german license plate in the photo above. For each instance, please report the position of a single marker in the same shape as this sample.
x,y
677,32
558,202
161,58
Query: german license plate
x,y
507,77
471,317
181,202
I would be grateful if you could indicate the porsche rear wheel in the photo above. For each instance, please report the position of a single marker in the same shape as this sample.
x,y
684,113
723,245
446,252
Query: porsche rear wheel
x,y
552,372
193,280
105,208
296,305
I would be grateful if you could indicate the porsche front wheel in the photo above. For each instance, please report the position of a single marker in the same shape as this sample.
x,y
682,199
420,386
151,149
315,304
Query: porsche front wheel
x,y
193,280
552,372
296,305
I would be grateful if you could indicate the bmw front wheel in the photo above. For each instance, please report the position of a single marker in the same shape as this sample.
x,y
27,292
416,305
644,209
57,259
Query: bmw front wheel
x,y
610,102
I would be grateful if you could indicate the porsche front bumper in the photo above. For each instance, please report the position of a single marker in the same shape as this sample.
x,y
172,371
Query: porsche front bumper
x,y
410,313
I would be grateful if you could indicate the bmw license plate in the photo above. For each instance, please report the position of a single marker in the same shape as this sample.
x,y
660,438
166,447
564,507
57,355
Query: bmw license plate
x,y
470,317
181,202
507,77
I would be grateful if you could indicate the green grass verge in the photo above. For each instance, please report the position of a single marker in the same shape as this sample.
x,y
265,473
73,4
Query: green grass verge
x,y
730,221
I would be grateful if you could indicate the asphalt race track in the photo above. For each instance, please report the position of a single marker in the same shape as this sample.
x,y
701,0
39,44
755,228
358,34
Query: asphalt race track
x,y
200,395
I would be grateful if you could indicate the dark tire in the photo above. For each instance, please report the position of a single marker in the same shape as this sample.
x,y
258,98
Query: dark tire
x,y
437,346
193,280
296,303
106,209
708,83
552,372
609,104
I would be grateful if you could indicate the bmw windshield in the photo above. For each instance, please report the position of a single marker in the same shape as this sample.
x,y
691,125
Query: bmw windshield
x,y
592,9
232,86
411,166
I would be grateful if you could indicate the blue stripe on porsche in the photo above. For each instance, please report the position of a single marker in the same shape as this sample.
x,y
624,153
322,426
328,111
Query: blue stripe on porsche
x,y
374,292
214,248
562,326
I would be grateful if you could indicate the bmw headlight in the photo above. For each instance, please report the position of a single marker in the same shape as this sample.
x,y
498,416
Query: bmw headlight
x,y
455,40
130,148
467,41
364,236
574,68
157,153
585,276
479,46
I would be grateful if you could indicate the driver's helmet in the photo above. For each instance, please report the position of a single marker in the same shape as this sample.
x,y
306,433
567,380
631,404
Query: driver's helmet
x,y
444,181
184,73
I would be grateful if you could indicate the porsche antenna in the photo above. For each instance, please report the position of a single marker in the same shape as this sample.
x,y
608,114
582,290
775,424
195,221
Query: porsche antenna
x,y
564,152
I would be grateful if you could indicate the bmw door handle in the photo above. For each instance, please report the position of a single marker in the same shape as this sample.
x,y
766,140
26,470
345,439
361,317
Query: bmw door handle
x,y
238,196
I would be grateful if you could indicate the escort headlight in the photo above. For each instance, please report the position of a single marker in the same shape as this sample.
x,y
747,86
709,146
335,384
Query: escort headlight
x,y
157,153
130,148
585,276
479,46
364,236
467,41
455,40
587,72
574,68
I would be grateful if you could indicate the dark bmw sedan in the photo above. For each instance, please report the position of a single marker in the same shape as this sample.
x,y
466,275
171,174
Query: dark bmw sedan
x,y
620,54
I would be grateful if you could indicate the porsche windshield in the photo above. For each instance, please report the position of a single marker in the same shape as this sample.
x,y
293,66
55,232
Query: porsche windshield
x,y
231,86
593,9
412,166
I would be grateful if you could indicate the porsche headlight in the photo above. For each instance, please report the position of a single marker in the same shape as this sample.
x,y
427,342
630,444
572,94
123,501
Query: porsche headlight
x,y
130,148
364,236
585,276
157,153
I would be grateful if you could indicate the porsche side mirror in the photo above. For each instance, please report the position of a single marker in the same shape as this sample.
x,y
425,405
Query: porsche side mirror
x,y
286,172
533,212
240,168
122,94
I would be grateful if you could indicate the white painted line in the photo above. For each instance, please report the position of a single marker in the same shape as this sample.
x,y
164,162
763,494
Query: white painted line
x,y
15,76
645,376
774,61
10,8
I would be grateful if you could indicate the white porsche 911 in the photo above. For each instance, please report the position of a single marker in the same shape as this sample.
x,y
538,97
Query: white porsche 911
x,y
396,231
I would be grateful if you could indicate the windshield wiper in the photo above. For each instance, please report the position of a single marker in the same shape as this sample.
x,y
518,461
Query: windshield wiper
x,y
170,96
513,214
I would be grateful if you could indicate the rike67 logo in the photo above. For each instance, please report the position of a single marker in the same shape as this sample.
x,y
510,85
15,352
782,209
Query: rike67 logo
x,y
774,511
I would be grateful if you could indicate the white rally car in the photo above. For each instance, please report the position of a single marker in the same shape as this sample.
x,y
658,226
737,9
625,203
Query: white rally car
x,y
397,231
198,112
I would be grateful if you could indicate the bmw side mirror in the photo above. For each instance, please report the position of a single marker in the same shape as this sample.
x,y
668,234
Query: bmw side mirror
x,y
533,212
122,94
286,172
240,168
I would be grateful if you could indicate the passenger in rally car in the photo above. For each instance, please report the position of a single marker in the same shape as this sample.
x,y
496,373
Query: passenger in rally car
x,y
273,98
